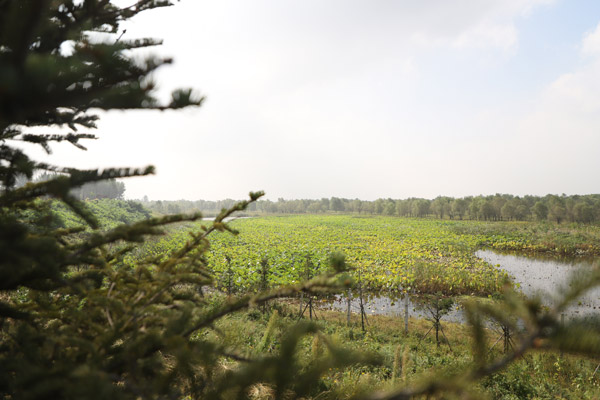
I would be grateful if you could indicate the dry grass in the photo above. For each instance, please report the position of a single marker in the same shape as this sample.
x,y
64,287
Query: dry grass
x,y
261,392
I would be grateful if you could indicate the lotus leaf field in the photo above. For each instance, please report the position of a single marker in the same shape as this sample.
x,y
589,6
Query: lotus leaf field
x,y
387,254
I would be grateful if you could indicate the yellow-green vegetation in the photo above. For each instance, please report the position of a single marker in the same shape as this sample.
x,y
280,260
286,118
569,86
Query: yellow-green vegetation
x,y
400,359
388,254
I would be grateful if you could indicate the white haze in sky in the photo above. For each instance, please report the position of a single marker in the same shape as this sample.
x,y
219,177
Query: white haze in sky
x,y
365,99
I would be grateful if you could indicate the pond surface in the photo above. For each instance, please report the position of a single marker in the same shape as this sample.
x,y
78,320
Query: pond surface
x,y
545,277
536,276
383,305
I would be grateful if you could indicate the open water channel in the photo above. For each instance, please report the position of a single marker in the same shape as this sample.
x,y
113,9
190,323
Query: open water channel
x,y
535,276
546,278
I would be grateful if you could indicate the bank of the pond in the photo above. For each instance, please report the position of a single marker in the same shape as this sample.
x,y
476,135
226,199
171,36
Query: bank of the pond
x,y
382,305
539,276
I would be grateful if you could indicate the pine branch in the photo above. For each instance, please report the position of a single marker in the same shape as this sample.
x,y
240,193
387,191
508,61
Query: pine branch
x,y
127,232
542,326
44,139
313,286
60,186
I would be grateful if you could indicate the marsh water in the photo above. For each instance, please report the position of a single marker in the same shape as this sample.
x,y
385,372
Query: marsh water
x,y
544,277
547,278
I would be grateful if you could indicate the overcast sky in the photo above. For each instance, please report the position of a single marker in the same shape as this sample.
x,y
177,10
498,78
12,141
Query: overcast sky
x,y
366,99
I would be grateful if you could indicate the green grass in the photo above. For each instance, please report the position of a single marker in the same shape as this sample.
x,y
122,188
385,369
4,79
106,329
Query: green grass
x,y
388,252
109,212
404,359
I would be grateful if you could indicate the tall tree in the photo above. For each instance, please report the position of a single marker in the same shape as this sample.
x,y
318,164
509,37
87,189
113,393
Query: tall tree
x,y
540,211
556,210
441,206
336,204
74,323
389,207
459,207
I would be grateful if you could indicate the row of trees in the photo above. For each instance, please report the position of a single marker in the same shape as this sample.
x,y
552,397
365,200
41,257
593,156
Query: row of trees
x,y
105,189
173,207
499,207
108,189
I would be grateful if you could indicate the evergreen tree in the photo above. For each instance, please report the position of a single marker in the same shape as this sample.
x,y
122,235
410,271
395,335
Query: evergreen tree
x,y
76,324
73,324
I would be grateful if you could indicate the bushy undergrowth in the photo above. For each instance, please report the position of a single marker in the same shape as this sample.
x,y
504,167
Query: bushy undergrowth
x,y
404,359
536,238
109,212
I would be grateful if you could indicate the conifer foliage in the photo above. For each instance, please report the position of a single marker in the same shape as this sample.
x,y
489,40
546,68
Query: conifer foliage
x,y
58,62
73,323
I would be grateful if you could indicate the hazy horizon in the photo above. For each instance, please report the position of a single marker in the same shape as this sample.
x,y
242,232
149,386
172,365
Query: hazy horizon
x,y
357,99
385,198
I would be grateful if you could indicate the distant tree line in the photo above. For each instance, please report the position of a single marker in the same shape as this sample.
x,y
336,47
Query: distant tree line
x,y
108,189
187,206
498,207
105,189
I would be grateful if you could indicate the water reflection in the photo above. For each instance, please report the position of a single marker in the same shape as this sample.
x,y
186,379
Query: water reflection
x,y
383,305
545,277
536,276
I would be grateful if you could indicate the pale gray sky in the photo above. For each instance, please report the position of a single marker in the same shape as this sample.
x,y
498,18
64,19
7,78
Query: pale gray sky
x,y
367,99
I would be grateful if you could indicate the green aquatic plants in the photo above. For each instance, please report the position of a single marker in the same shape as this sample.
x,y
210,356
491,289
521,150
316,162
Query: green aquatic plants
x,y
392,254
